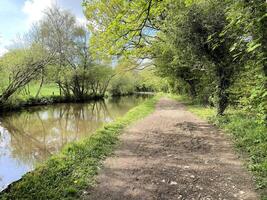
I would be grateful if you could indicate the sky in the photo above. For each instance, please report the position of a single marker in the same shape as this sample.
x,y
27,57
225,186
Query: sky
x,y
17,16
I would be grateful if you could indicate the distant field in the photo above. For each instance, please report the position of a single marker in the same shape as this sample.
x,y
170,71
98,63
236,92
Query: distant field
x,y
47,90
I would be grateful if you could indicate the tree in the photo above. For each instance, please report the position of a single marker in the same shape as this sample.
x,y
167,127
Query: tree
x,y
74,68
56,33
247,26
135,27
202,44
177,60
21,66
124,27
124,81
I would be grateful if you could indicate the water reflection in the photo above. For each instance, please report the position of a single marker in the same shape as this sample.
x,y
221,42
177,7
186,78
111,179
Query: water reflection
x,y
30,137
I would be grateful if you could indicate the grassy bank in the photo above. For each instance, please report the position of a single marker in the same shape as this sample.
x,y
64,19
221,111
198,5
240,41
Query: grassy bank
x,y
21,104
250,137
66,175
49,94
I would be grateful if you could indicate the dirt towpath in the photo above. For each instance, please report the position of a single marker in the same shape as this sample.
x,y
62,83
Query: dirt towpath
x,y
172,154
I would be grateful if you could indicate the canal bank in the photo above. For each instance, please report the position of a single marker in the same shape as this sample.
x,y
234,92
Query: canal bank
x,y
64,175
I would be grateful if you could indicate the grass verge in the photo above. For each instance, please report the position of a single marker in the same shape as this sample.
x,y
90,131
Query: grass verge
x,y
67,174
250,137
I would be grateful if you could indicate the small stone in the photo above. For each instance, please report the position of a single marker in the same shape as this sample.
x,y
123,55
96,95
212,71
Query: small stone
x,y
192,176
173,183
199,187
163,181
242,192
85,192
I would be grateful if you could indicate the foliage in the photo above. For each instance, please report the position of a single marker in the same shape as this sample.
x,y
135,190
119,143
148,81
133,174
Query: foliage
x,y
56,52
150,81
177,61
100,76
66,175
202,47
74,71
196,54
119,26
129,77
21,66
251,138
247,25
122,84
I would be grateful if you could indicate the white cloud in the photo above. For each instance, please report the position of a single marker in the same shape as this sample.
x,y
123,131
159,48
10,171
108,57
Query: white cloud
x,y
34,9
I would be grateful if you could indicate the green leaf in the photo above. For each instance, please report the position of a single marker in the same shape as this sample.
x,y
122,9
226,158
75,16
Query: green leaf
x,y
252,48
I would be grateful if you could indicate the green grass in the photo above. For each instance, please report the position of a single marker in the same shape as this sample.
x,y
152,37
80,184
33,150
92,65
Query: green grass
x,y
49,94
250,137
47,90
205,112
67,174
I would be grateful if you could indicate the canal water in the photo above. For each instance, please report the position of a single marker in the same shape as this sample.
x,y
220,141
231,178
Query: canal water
x,y
30,137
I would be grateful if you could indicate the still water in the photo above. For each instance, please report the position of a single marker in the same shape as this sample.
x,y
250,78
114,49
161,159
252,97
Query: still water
x,y
30,137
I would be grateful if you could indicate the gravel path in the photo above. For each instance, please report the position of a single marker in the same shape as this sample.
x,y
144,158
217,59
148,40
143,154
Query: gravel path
x,y
172,154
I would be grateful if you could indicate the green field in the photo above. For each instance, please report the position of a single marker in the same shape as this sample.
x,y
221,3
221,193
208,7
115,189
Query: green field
x,y
47,90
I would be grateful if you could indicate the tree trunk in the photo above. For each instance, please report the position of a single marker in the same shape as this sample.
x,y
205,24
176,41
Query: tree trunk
x,y
224,76
5,96
223,101
192,88
41,85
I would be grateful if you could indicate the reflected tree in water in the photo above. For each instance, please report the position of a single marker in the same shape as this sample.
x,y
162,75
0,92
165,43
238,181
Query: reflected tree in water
x,y
35,136
30,137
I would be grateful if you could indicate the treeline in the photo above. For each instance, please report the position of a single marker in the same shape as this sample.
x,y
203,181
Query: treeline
x,y
213,51
56,52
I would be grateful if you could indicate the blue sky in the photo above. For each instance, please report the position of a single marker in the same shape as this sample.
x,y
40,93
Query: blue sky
x,y
16,16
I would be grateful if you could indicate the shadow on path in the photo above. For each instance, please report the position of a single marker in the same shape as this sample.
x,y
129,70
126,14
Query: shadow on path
x,y
172,154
